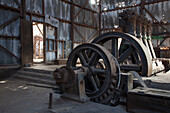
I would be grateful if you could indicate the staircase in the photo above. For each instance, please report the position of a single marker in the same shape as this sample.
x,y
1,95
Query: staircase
x,y
36,76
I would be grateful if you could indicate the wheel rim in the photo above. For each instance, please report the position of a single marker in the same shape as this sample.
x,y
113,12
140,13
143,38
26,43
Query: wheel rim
x,y
102,68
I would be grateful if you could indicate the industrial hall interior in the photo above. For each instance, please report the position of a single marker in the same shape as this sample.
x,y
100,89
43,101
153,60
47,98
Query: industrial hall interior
x,y
84,56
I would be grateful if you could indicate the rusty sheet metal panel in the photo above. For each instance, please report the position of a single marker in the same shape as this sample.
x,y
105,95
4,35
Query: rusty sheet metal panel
x,y
156,10
57,8
10,3
112,4
161,12
167,9
66,44
85,17
148,100
50,34
28,17
3,53
51,21
110,19
38,19
168,27
89,5
50,56
34,6
149,7
64,31
157,30
11,29
12,45
61,50
26,42
84,34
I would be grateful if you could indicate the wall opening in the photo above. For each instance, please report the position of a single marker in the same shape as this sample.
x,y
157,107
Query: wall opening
x,y
38,42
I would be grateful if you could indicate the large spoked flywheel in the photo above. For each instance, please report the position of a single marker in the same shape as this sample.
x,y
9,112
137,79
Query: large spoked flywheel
x,y
101,80
130,52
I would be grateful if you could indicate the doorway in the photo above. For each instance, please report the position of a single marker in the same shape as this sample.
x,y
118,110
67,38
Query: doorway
x,y
38,42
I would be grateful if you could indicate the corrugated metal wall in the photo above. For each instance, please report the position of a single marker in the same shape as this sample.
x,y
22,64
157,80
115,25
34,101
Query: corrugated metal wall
x,y
159,10
53,8
13,30
61,10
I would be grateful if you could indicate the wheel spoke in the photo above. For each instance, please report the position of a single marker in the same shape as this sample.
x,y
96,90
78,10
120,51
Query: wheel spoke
x,y
85,56
82,58
135,58
74,68
125,54
97,81
99,71
134,67
92,82
115,48
93,59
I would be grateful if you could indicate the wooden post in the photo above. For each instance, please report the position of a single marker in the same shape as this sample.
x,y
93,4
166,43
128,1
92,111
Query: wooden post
x,y
99,17
72,23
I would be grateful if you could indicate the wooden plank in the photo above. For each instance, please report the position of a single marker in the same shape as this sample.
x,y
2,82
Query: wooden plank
x,y
26,42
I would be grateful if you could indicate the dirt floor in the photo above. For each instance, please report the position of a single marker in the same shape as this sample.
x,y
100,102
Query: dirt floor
x,y
17,97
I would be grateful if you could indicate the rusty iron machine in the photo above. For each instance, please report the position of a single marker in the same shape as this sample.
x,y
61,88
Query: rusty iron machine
x,y
94,70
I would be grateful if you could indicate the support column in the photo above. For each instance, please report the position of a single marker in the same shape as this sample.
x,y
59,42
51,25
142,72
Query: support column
x,y
100,18
72,23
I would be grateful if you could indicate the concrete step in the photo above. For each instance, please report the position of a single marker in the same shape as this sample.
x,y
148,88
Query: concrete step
x,y
34,79
36,75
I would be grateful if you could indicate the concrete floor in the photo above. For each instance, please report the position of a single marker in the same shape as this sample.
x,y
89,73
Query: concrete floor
x,y
18,97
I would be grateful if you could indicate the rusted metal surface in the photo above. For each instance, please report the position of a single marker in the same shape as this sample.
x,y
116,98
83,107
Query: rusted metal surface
x,y
61,10
142,64
9,52
58,9
81,9
64,76
129,21
10,21
101,80
71,83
